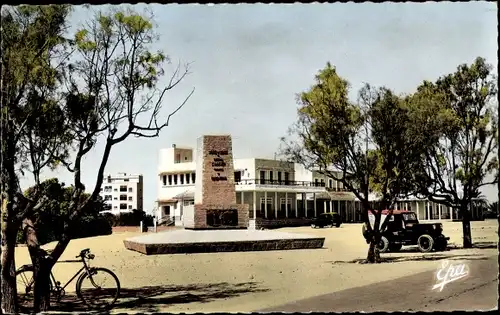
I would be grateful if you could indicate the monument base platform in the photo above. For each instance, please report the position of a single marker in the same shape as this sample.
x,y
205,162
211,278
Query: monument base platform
x,y
205,241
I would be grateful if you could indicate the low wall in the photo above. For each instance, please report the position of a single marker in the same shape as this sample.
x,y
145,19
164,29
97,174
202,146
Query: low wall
x,y
284,222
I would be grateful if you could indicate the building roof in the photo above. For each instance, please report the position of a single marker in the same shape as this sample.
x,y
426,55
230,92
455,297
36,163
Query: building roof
x,y
188,194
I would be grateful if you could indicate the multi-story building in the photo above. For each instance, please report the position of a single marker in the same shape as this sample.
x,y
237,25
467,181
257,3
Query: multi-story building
x,y
276,191
122,192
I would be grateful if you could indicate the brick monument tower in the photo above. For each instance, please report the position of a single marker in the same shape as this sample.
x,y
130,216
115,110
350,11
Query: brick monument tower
x,y
215,194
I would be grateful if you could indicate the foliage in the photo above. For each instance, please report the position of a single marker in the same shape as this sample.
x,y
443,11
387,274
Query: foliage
x,y
50,220
59,98
367,146
133,218
32,51
458,111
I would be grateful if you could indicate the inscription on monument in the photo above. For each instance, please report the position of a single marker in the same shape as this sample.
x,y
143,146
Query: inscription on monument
x,y
218,164
221,218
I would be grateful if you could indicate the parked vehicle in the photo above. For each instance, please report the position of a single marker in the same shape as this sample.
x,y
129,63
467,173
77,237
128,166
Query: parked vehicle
x,y
404,229
328,219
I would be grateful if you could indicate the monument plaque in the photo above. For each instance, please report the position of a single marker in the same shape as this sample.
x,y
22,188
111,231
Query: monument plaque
x,y
215,194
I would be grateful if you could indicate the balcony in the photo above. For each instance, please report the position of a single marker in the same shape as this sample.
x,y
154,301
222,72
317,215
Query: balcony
x,y
280,185
337,189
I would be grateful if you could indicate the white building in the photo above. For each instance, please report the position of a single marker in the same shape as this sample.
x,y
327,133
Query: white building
x,y
122,192
274,190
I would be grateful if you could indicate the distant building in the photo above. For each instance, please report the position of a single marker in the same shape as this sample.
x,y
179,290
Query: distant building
x,y
122,192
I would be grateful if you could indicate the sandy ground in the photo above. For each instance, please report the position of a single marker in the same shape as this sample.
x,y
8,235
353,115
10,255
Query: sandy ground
x,y
249,281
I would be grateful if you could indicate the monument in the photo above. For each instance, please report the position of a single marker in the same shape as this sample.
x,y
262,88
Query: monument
x,y
215,204
216,223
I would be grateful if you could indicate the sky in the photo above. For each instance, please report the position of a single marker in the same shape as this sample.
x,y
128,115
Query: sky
x,y
249,61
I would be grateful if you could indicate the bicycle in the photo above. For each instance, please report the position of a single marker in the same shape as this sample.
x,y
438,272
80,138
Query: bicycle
x,y
85,273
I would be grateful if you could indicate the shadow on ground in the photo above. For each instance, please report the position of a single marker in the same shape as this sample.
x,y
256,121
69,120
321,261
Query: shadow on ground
x,y
152,298
450,254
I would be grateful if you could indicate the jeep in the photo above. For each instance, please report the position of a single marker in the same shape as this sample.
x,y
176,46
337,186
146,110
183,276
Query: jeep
x,y
403,229
326,219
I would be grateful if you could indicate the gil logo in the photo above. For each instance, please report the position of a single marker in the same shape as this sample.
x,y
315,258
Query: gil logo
x,y
449,273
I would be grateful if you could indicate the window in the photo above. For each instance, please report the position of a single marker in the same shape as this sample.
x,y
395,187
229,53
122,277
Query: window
x,y
181,179
322,182
262,177
175,179
271,177
164,178
188,176
123,197
330,183
130,189
116,189
108,197
177,158
188,202
126,180
193,176
287,179
123,188
115,207
279,177
123,206
130,198
130,206
170,179
315,182
108,188
115,198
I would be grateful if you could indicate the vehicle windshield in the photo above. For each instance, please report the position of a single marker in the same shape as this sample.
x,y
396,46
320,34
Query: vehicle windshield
x,y
409,217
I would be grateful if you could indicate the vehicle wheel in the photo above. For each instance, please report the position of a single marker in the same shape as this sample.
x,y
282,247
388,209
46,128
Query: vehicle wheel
x,y
383,245
365,234
395,247
338,224
425,243
313,226
94,292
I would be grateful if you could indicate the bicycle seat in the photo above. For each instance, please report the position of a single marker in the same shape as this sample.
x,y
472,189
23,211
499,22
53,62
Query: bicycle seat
x,y
83,252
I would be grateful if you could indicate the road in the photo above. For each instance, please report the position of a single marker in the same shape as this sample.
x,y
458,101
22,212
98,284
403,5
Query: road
x,y
477,291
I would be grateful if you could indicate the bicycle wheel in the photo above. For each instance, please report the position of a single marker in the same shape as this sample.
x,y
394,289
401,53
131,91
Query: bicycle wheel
x,y
99,289
25,285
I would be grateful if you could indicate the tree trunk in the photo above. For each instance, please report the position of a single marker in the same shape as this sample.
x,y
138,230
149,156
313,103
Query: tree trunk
x,y
8,268
41,269
41,289
373,256
466,230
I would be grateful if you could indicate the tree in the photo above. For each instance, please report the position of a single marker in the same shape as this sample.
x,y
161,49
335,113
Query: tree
x,y
366,146
458,110
493,207
49,220
114,92
31,40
